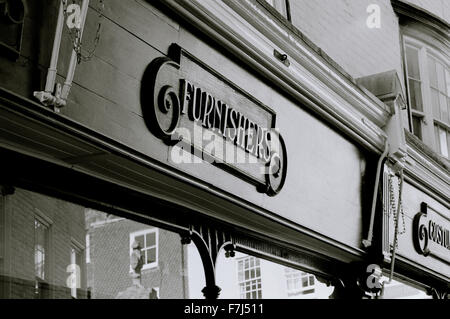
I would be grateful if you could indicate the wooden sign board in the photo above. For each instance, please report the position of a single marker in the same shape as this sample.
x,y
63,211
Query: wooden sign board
x,y
196,110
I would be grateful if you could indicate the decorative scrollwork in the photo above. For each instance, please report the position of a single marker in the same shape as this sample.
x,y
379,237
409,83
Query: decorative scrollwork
x,y
421,236
178,110
276,167
168,101
161,105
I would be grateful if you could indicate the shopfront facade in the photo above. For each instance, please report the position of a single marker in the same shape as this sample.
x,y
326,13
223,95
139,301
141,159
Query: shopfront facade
x,y
222,122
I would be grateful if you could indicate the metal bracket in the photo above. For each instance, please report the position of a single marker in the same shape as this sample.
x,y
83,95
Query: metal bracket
x,y
209,242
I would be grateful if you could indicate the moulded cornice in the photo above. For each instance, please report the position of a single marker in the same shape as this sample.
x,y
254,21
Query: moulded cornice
x,y
250,32
427,175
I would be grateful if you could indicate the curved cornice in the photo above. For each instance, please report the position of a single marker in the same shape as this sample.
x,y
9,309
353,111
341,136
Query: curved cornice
x,y
426,171
415,13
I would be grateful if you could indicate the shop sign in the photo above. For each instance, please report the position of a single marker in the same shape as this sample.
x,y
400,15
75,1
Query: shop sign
x,y
431,233
193,108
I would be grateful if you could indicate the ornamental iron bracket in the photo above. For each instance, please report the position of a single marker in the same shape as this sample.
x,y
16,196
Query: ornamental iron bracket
x,y
209,242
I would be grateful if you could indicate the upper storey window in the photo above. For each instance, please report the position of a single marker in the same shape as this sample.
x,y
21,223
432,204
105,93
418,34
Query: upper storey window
x,y
428,81
426,48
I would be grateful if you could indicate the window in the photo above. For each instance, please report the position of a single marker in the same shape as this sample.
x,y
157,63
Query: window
x,y
428,79
40,249
282,6
249,277
2,231
299,283
41,258
88,249
76,263
148,240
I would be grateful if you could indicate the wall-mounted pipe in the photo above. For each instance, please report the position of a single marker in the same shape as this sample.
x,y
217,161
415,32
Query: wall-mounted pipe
x,y
54,95
368,241
52,70
50,95
74,58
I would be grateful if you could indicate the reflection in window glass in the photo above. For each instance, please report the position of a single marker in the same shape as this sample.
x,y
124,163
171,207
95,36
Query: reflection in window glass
x,y
76,252
147,240
75,269
40,249
195,273
249,273
246,276
400,290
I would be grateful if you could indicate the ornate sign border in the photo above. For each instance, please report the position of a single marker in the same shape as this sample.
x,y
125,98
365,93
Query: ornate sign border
x,y
163,100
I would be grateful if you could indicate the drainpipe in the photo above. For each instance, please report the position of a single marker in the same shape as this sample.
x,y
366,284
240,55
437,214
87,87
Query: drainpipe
x,y
368,241
46,97
74,58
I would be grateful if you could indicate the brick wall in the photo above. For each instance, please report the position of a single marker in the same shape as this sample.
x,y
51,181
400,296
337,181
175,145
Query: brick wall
x,y
108,272
339,28
67,222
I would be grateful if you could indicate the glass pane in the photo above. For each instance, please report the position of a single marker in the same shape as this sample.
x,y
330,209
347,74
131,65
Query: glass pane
x,y
275,281
107,276
441,77
399,290
417,126
436,138
432,72
447,80
150,240
412,61
448,110
443,107
151,255
415,95
435,103
443,142
78,257
140,240
448,141
305,281
195,274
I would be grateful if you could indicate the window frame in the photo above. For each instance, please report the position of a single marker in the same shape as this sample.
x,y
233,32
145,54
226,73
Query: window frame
x,y
47,248
428,121
144,232
244,282
2,229
298,275
43,286
79,250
